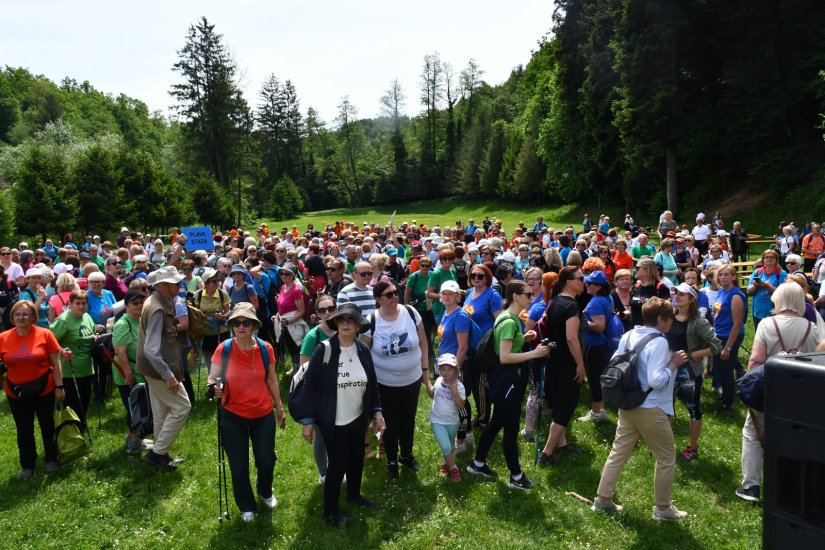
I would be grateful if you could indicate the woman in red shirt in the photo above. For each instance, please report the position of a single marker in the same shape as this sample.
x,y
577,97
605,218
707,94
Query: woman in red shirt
x,y
247,390
33,382
621,258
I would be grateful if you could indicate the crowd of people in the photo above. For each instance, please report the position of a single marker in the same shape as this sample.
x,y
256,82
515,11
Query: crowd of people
x,y
369,314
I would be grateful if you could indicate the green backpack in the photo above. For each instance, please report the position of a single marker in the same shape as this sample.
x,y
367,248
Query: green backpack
x,y
70,441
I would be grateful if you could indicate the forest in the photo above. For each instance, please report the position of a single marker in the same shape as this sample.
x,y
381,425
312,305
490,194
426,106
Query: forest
x,y
638,104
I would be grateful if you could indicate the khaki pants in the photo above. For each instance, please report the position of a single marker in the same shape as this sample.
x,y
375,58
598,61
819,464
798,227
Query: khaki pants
x,y
169,412
653,426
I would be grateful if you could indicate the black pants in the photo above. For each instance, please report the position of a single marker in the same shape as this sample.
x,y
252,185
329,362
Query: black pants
x,y
187,376
79,403
24,411
124,391
237,432
506,392
469,378
345,455
725,369
399,406
429,329
739,256
210,344
595,361
564,391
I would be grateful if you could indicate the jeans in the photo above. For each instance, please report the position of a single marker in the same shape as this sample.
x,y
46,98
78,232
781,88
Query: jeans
x,y
752,450
399,406
237,432
24,411
724,369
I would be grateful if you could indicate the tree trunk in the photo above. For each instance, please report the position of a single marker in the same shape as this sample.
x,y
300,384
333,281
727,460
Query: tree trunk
x,y
672,197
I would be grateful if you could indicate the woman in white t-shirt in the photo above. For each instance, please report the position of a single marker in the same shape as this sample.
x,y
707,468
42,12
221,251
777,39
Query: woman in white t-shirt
x,y
786,331
399,352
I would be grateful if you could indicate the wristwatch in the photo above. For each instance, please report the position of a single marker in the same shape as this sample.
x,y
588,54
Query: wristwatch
x,y
728,349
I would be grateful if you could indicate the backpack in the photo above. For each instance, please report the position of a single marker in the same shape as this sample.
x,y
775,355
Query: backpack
x,y
613,331
487,360
372,318
620,381
461,274
197,319
225,353
296,385
67,434
751,387
140,411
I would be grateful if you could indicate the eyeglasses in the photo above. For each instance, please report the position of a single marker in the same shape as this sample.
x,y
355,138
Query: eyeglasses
x,y
577,278
531,280
5,253
364,273
422,264
331,269
478,276
136,303
346,320
279,251
241,323
390,295
329,309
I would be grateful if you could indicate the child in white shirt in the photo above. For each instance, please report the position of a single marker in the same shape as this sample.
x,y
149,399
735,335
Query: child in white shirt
x,y
448,399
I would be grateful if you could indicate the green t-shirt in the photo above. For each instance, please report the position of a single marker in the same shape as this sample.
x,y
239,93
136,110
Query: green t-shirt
x,y
312,339
438,278
508,330
78,334
125,333
418,284
350,267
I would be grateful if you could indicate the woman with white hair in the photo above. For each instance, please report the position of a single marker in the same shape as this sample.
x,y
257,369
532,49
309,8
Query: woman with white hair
x,y
787,330
157,256
100,299
59,303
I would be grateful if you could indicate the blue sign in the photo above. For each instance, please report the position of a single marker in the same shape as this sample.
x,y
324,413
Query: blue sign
x,y
198,238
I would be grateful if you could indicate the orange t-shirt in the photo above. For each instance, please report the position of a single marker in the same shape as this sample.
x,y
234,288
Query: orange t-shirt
x,y
245,392
817,245
622,261
27,357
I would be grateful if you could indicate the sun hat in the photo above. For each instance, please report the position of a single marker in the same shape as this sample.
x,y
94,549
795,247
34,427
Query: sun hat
x,y
166,274
244,309
208,273
450,286
508,257
684,288
597,277
237,268
290,268
131,296
33,272
347,308
447,359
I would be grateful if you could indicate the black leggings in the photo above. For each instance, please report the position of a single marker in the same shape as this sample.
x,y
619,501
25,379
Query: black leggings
x,y
79,403
564,391
399,406
345,455
595,361
24,412
237,432
725,369
506,391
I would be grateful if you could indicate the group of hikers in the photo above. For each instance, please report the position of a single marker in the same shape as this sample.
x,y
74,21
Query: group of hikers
x,y
356,319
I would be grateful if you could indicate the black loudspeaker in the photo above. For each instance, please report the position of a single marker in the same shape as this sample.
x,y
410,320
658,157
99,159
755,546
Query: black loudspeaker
x,y
794,462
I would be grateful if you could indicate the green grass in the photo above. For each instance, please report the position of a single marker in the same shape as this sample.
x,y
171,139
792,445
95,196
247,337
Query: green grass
x,y
110,500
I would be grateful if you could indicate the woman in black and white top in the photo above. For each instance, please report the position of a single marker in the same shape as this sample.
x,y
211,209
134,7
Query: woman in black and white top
x,y
341,401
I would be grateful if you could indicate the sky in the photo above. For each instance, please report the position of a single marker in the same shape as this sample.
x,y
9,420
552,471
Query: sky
x,y
327,48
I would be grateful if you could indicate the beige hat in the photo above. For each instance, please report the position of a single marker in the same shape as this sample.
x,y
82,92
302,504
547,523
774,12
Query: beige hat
x,y
244,309
167,274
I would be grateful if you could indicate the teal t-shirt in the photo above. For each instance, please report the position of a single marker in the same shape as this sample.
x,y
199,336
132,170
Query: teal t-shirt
x,y
77,334
314,337
508,330
438,278
125,333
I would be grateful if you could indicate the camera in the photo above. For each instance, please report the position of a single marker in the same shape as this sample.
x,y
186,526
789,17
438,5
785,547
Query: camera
x,y
550,344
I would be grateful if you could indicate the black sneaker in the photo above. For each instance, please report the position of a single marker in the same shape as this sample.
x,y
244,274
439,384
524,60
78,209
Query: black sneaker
x,y
522,484
392,470
751,494
547,460
410,463
570,448
162,462
336,520
483,470
362,502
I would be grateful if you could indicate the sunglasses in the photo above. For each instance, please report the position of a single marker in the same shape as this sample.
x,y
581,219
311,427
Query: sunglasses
x,y
577,278
5,253
364,273
792,263
241,323
532,280
390,295
331,269
346,320
528,294
478,276
329,309
115,263
424,265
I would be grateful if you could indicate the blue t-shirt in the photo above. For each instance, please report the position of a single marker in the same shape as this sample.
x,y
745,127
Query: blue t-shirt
x,y
51,251
604,228
762,304
723,320
482,307
98,303
564,252
598,305
43,312
457,321
537,310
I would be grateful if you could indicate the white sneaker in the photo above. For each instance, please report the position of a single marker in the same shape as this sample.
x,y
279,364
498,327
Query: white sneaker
x,y
600,416
460,448
671,514
248,516
528,436
322,480
270,502
470,439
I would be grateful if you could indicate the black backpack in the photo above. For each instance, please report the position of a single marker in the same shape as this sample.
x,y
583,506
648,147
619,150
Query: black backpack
x,y
296,387
461,273
140,409
620,381
487,360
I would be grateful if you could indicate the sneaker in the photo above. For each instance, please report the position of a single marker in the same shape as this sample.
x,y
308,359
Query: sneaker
x,y
410,463
392,471
671,514
591,416
522,484
751,494
336,520
547,460
689,453
270,502
528,436
442,470
725,410
479,423
322,479
483,470
606,506
368,454
469,439
133,447
455,474
570,448
52,466
26,473
362,502
248,516
162,462
460,447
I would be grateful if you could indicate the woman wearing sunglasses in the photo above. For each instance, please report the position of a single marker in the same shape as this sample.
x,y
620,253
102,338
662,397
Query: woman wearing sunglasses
x,y
400,354
341,397
324,308
247,390
415,294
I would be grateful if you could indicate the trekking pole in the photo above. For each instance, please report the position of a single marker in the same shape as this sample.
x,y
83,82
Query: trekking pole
x,y
223,495
537,438
80,403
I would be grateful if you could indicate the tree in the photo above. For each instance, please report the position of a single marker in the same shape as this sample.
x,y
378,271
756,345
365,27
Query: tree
x,y
286,200
490,166
351,140
210,103
432,90
391,104
45,200
211,201
100,190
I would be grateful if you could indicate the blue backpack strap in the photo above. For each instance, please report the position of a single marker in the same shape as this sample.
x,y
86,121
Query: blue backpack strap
x,y
264,356
227,350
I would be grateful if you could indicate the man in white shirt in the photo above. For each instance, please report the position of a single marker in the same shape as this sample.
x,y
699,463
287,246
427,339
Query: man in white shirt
x,y
701,233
